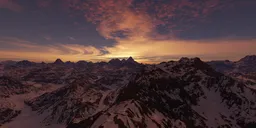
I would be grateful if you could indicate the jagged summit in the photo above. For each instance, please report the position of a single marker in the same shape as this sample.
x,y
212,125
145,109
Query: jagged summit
x,y
129,62
58,61
115,62
130,59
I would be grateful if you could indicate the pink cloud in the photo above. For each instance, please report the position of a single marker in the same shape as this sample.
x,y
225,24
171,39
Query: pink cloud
x,y
11,5
142,18
58,4
44,3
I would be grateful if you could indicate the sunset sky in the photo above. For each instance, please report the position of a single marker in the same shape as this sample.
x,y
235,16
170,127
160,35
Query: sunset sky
x,y
150,31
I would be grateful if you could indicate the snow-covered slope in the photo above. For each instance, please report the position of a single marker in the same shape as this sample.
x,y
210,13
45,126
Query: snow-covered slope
x,y
15,114
183,94
123,93
9,87
13,95
84,95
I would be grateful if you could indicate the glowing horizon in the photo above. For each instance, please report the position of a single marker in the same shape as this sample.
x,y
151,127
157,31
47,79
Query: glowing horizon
x,y
149,31
153,52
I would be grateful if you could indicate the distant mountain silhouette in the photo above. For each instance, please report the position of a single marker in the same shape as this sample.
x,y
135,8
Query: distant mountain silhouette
x,y
244,65
58,62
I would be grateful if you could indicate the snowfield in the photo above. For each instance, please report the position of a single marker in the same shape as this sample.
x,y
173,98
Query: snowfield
x,y
28,118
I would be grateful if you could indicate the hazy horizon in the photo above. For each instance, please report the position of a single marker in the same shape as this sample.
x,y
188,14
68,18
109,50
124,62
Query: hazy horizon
x,y
166,60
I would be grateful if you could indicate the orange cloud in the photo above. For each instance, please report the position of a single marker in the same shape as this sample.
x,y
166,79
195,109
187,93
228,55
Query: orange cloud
x,y
151,51
141,18
137,23
116,16
18,49
142,49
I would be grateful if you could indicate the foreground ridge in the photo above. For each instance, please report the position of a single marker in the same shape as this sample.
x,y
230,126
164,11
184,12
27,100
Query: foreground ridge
x,y
187,93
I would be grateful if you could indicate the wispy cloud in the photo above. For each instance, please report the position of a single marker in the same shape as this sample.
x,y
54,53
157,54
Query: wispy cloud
x,y
11,5
17,48
133,25
207,49
71,38
150,52
48,38
142,18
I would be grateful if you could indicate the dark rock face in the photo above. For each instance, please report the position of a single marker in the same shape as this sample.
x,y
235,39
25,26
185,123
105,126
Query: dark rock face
x,y
7,114
178,94
10,86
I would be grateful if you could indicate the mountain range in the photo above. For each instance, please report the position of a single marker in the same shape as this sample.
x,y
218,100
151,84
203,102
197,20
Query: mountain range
x,y
243,70
188,93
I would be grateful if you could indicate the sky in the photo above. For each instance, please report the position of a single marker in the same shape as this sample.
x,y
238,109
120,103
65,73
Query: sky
x,y
150,31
